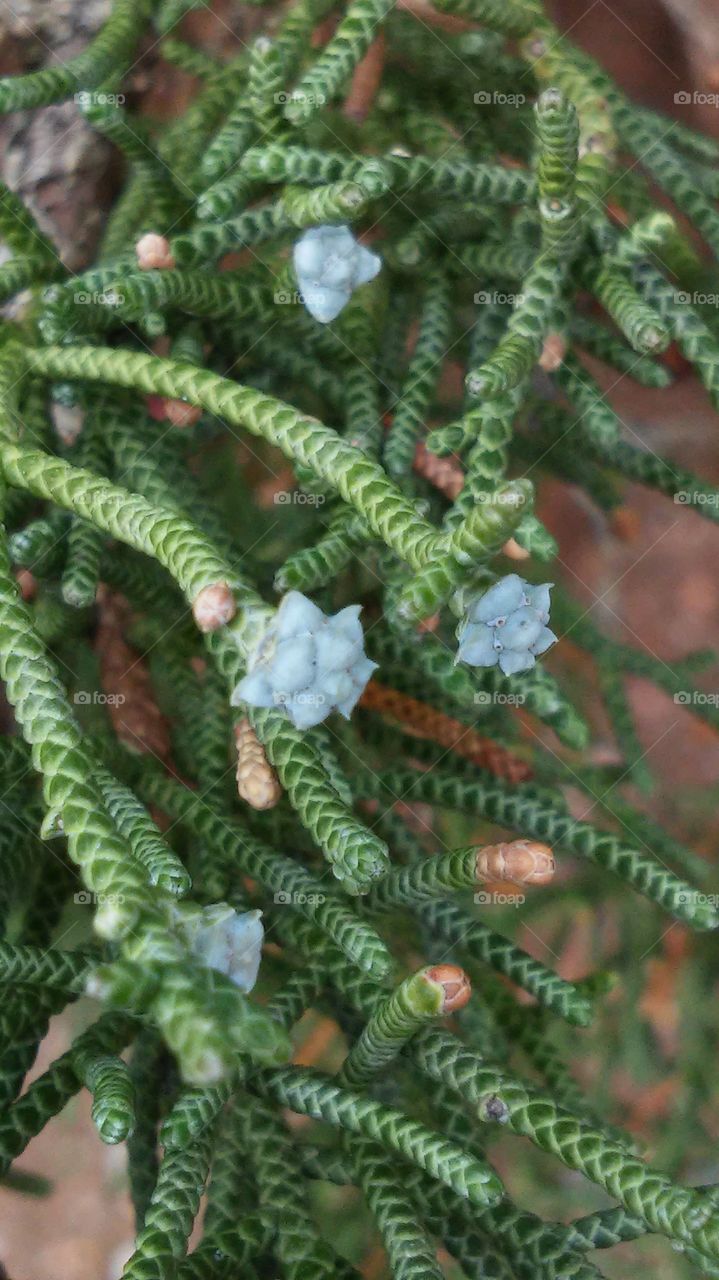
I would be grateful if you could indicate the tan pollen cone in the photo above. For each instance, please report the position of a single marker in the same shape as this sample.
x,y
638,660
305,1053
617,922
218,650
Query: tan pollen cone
x,y
522,861
455,983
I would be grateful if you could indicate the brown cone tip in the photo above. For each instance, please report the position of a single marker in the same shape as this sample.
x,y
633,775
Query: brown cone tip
x,y
553,352
456,985
214,607
512,549
625,523
523,861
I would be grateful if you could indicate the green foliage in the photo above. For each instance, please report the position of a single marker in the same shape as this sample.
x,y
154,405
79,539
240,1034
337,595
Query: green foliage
x,y
496,242
103,61
422,376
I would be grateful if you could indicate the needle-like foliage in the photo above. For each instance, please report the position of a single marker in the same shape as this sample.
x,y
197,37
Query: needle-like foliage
x,y
187,453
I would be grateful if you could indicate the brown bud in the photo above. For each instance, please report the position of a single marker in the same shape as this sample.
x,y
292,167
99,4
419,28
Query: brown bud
x,y
512,549
625,523
181,414
154,253
454,981
523,861
28,590
554,349
444,473
429,624
257,782
214,606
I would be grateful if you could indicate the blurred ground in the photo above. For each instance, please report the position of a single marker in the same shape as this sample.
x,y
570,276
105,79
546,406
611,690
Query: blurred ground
x,y
661,589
